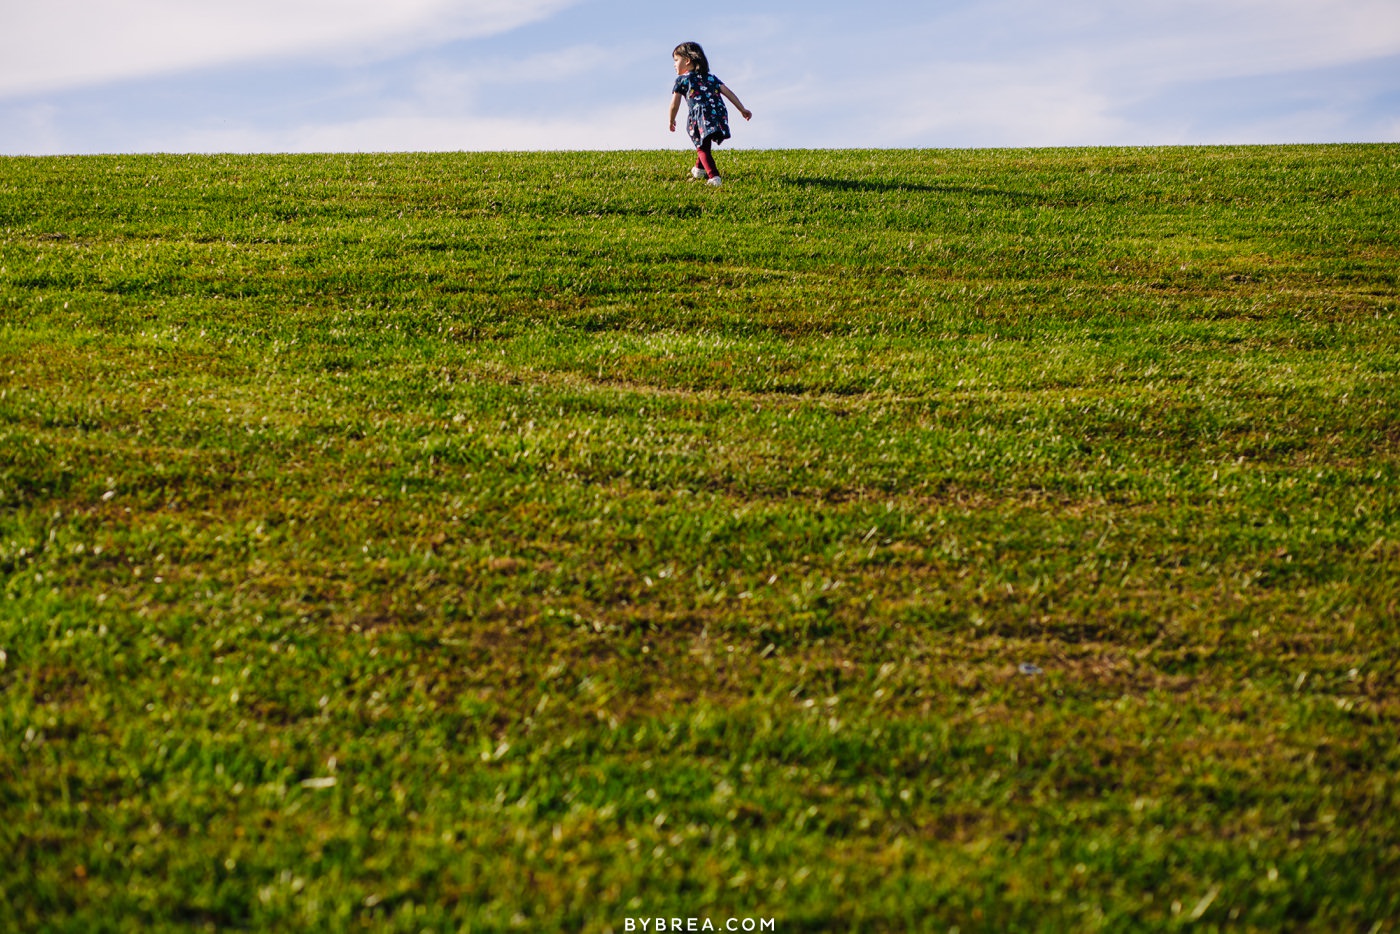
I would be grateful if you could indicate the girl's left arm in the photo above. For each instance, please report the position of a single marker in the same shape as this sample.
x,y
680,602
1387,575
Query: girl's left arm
x,y
724,89
675,107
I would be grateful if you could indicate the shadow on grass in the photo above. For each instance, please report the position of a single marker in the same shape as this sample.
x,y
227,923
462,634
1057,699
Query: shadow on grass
x,y
876,185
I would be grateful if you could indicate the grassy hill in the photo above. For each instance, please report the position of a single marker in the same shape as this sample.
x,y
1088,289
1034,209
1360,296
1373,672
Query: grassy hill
x,y
991,540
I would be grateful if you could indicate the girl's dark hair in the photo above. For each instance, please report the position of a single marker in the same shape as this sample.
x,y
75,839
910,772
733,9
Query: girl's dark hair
x,y
692,52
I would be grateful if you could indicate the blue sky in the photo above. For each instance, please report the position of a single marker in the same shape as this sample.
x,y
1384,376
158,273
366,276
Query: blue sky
x,y
86,76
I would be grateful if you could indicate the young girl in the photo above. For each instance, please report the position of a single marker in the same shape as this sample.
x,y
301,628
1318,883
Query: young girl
x,y
708,120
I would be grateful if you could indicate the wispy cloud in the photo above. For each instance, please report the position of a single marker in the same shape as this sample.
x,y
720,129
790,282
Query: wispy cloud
x,y
298,75
1022,72
58,44
624,127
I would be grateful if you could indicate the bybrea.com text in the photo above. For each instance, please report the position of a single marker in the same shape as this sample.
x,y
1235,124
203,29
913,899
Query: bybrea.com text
x,y
662,925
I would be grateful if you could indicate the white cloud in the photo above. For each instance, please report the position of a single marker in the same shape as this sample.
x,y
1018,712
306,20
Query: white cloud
x,y
1010,107
1152,42
447,87
635,126
815,72
56,44
1027,73
1173,38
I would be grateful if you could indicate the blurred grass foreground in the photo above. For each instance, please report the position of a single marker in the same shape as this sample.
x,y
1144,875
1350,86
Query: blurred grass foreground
x,y
975,540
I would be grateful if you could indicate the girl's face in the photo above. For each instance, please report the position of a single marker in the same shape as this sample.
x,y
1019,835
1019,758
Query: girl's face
x,y
682,64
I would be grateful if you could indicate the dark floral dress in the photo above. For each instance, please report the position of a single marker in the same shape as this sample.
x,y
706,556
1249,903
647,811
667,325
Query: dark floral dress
x,y
708,118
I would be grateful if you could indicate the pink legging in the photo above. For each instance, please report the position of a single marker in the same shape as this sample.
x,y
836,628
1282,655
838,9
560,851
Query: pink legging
x,y
705,160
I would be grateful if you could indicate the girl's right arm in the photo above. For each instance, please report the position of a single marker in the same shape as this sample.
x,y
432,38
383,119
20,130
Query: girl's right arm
x,y
675,107
724,89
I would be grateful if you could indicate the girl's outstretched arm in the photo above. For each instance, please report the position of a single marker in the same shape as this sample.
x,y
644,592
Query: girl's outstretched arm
x,y
724,89
675,107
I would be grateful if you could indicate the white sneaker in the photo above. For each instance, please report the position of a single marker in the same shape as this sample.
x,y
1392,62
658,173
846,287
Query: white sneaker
x,y
697,172
715,182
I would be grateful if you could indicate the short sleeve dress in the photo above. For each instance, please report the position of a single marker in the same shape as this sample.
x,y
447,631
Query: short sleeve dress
x,y
708,118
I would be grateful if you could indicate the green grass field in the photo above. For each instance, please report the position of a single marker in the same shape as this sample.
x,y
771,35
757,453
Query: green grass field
x,y
976,540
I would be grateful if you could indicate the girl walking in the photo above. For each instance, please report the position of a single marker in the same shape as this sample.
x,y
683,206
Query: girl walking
x,y
707,120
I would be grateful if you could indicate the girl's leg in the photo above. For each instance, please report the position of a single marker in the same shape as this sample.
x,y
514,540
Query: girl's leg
x,y
706,160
